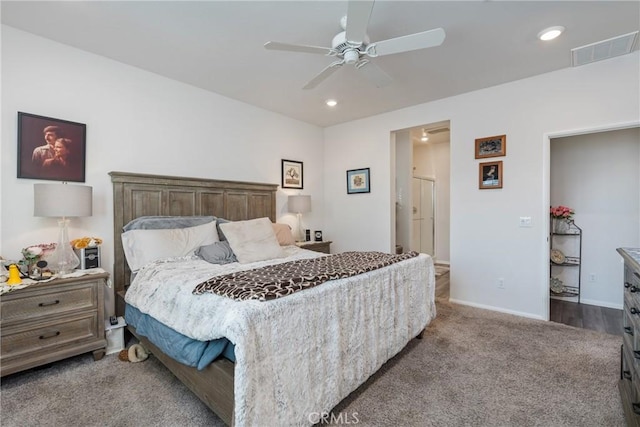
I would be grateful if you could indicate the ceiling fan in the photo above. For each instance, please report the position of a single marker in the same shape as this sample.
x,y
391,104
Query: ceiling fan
x,y
352,46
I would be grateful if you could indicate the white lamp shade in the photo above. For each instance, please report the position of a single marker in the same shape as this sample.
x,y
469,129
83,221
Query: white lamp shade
x,y
62,200
299,204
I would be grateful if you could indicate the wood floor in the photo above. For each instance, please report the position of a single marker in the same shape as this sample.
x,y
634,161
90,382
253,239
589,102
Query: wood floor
x,y
602,319
442,286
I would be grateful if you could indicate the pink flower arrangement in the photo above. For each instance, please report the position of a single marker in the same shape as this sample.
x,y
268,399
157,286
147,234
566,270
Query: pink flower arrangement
x,y
561,212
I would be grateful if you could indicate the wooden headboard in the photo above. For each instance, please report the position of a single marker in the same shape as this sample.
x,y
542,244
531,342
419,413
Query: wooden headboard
x,y
136,195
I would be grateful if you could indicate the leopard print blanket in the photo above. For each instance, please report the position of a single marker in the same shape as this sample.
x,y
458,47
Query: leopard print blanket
x,y
279,280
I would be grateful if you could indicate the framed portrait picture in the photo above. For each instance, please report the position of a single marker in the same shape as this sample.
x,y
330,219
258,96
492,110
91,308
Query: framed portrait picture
x,y
52,149
358,181
490,175
492,146
292,174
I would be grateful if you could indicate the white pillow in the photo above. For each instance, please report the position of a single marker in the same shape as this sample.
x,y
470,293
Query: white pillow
x,y
144,246
252,240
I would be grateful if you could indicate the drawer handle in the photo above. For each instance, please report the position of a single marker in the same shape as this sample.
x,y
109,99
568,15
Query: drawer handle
x,y
45,304
628,330
634,310
627,284
627,375
636,408
50,335
635,273
633,289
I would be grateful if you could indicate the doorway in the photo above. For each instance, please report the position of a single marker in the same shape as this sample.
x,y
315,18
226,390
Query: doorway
x,y
596,175
421,181
423,215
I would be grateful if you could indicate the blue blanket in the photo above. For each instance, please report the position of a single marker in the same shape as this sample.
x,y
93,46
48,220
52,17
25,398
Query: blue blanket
x,y
176,345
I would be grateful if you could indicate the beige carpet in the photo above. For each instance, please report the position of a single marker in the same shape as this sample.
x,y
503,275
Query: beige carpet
x,y
473,368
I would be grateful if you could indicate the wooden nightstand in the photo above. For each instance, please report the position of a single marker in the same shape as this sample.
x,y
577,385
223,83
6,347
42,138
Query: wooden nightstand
x,y
50,321
324,247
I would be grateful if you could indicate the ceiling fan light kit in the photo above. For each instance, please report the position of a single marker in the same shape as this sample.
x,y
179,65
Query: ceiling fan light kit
x,y
353,47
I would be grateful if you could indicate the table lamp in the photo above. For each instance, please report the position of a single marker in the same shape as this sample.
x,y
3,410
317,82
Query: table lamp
x,y
62,200
299,204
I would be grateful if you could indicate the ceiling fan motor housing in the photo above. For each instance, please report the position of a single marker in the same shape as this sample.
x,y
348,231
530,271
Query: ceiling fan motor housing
x,y
348,50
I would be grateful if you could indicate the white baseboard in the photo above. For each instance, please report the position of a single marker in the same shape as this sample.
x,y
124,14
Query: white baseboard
x,y
498,309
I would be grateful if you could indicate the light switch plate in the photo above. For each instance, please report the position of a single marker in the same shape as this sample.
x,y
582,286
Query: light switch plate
x,y
525,221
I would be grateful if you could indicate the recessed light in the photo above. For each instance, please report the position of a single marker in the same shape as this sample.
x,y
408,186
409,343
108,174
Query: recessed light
x,y
550,33
331,102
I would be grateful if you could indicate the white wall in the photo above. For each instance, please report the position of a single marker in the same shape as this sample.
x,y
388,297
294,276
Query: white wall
x,y
486,241
137,122
432,160
598,175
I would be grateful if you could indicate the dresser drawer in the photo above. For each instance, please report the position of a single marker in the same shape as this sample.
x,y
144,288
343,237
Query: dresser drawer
x,y
41,337
47,302
631,279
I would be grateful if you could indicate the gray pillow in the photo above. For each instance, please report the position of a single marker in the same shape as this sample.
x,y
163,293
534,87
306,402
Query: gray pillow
x,y
217,253
221,235
166,222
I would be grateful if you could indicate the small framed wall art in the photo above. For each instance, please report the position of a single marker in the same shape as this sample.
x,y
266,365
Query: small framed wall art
x,y
490,175
52,149
492,146
292,174
358,181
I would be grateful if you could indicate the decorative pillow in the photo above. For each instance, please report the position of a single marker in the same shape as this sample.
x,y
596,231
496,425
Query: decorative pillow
x,y
164,222
217,253
252,240
283,234
144,246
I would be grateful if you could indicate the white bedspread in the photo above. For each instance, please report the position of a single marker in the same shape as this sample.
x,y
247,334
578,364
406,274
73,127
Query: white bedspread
x,y
302,354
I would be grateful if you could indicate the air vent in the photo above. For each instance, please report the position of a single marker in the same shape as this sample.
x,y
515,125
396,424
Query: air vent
x,y
605,49
437,131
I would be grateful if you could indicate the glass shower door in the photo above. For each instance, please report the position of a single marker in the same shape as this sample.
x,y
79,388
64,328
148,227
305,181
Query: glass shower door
x,y
423,200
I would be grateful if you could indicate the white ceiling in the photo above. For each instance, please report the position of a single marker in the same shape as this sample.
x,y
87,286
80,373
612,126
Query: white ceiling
x,y
218,45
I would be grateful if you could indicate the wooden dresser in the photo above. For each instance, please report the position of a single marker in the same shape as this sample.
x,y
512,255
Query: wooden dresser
x,y
629,383
49,321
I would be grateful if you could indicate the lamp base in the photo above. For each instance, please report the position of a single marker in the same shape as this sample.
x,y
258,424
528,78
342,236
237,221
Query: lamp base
x,y
299,231
64,258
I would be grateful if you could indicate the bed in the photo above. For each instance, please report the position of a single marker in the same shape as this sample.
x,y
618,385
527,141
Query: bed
x,y
336,334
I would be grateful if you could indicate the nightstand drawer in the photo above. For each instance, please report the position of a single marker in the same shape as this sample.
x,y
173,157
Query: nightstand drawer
x,y
47,303
34,338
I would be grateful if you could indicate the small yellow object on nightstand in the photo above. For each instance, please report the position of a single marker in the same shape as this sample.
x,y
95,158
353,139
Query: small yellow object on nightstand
x,y
14,275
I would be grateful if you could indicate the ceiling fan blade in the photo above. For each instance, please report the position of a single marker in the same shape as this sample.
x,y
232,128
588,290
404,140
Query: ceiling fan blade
x,y
299,48
415,41
374,73
358,13
332,68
